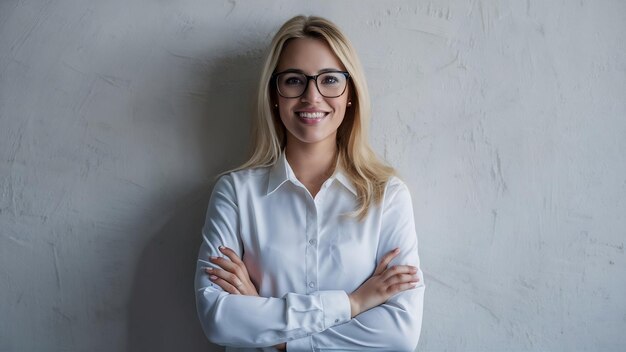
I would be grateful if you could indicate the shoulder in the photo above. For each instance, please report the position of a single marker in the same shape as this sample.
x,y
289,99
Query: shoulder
x,y
240,180
394,186
245,175
396,192
394,182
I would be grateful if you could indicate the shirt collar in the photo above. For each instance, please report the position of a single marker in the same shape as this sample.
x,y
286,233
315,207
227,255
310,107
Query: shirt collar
x,y
281,172
341,176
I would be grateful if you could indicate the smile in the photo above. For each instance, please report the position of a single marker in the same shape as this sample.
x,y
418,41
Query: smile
x,y
312,115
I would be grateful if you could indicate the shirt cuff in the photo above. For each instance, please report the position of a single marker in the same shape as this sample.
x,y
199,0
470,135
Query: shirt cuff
x,y
337,308
301,345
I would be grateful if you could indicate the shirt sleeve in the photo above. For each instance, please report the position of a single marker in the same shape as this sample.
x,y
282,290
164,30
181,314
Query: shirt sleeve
x,y
248,321
396,324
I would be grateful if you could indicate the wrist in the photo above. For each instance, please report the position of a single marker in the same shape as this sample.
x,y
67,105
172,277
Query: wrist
x,y
355,307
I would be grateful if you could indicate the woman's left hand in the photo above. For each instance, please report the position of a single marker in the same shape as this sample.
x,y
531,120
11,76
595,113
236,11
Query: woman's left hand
x,y
233,276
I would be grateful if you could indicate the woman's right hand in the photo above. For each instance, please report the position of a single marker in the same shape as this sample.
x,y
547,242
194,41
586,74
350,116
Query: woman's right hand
x,y
384,283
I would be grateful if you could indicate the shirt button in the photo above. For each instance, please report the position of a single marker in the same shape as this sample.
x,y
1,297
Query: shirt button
x,y
312,242
311,284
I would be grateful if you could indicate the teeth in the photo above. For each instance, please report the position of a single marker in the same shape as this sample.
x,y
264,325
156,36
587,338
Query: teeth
x,y
312,115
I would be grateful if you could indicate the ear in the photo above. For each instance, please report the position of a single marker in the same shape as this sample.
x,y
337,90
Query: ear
x,y
273,97
350,94
274,106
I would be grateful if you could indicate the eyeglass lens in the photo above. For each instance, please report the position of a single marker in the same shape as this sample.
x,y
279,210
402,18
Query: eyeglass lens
x,y
293,85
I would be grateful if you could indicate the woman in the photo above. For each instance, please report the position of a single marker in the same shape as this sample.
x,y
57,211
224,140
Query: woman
x,y
311,244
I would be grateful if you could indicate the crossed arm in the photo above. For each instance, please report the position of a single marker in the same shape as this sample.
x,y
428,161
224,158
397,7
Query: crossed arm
x,y
233,277
384,313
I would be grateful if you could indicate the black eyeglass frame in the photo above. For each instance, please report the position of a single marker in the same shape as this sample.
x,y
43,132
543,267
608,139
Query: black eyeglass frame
x,y
308,78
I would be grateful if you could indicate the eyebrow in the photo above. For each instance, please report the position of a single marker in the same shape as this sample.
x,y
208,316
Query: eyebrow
x,y
320,71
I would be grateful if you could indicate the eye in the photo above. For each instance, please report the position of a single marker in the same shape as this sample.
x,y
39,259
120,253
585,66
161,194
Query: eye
x,y
292,80
330,79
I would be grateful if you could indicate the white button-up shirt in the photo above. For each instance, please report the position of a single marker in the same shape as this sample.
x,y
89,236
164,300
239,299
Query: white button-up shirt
x,y
304,255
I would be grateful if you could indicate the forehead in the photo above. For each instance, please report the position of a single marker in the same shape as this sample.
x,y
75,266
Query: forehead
x,y
309,55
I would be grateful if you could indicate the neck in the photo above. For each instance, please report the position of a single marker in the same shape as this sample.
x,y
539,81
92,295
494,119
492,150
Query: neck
x,y
312,163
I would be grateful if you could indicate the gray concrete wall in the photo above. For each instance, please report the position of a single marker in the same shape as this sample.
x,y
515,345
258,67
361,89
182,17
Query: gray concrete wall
x,y
507,119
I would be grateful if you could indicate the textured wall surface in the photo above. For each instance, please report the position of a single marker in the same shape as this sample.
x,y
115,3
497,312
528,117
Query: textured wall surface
x,y
507,119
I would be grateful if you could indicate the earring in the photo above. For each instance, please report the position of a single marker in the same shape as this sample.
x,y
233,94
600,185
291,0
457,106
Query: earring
x,y
349,103
275,105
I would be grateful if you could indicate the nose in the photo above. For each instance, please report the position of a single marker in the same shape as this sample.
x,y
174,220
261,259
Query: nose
x,y
311,94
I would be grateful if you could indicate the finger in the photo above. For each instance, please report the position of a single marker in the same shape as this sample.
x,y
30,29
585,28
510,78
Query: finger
x,y
398,269
226,264
231,255
386,260
401,287
401,278
225,285
226,276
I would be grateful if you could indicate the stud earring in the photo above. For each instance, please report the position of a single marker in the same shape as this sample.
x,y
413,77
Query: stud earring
x,y
349,103
275,105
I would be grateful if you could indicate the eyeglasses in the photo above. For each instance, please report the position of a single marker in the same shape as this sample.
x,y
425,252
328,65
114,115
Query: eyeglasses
x,y
330,84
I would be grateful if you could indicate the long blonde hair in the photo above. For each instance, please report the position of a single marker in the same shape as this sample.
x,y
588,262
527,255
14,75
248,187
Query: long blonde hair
x,y
355,156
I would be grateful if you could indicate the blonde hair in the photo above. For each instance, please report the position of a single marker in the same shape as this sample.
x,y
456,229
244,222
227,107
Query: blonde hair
x,y
368,174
